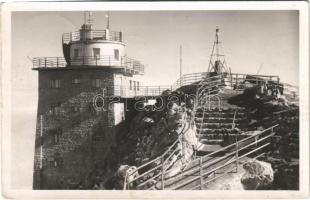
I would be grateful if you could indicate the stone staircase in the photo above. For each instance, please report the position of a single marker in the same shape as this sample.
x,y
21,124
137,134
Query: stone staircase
x,y
215,126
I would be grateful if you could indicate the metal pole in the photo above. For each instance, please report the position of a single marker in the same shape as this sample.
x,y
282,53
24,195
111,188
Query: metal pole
x,y
180,63
41,141
237,156
162,174
125,181
201,178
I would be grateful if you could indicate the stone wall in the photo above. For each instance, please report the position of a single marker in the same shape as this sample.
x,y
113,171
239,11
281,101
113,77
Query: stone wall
x,y
76,138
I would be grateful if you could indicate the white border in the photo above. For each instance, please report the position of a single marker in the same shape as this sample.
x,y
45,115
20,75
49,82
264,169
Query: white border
x,y
7,8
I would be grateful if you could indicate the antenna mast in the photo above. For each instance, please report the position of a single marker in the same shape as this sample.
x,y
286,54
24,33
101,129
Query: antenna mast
x,y
108,20
180,62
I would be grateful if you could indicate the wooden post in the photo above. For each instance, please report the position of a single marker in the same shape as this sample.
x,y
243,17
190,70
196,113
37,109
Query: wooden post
x,y
201,172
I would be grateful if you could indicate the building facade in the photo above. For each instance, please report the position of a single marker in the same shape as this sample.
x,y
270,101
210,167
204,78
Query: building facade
x,y
75,118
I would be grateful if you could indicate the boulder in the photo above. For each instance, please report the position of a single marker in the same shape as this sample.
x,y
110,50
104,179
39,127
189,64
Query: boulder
x,y
258,175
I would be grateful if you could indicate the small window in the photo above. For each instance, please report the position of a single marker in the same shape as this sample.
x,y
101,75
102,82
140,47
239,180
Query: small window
x,y
96,52
116,54
130,84
75,109
76,81
55,108
56,135
134,86
55,83
97,83
138,86
58,160
76,53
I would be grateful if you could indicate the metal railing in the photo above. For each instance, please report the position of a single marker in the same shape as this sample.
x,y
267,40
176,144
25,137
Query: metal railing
x,y
203,168
52,62
94,35
128,64
230,79
127,91
154,171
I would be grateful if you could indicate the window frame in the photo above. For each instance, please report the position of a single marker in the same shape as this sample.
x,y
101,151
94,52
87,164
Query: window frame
x,y
95,54
116,54
73,81
76,53
55,83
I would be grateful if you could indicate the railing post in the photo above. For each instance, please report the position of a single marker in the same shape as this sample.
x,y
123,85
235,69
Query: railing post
x,y
162,174
237,84
44,62
125,182
109,60
158,90
57,61
96,60
237,156
201,172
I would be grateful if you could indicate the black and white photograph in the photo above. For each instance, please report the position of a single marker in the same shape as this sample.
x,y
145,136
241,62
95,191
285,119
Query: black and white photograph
x,y
128,98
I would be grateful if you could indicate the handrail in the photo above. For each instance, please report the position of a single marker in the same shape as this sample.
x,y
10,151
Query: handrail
x,y
211,162
101,60
94,34
233,123
162,158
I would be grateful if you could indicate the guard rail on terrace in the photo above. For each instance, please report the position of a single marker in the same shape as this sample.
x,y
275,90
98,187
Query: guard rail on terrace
x,y
128,64
94,35
230,79
127,91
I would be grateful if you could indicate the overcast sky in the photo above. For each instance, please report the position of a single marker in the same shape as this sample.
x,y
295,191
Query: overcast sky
x,y
249,39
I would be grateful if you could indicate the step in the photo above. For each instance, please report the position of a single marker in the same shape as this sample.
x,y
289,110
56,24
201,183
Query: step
x,y
217,119
214,131
212,142
218,114
215,125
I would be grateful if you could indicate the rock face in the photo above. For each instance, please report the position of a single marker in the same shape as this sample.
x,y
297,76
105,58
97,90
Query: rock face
x,y
265,111
258,175
153,131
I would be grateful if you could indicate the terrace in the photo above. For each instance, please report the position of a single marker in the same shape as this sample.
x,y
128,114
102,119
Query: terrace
x,y
107,35
128,64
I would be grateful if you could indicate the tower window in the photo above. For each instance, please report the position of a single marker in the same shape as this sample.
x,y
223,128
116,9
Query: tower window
x,y
55,83
97,83
116,54
130,84
55,108
96,52
76,53
76,81
75,109
55,135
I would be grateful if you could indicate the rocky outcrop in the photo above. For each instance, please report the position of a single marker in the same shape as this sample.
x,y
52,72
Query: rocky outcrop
x,y
258,175
264,111
152,132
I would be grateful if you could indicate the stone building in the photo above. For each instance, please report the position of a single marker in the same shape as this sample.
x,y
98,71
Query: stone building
x,y
75,117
